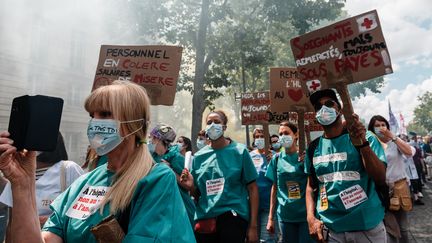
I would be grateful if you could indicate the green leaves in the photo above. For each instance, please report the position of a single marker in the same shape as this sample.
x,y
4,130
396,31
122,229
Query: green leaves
x,y
423,112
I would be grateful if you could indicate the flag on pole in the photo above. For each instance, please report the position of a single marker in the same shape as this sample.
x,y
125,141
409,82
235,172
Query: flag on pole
x,y
394,126
402,129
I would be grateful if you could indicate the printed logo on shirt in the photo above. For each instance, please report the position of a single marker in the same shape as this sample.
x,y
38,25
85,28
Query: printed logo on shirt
x,y
323,197
293,190
215,186
87,202
330,158
340,176
352,196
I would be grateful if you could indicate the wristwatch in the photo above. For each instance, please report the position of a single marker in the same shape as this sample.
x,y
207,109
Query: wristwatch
x,y
394,139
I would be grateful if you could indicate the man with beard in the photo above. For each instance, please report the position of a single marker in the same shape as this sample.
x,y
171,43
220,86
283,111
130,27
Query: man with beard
x,y
343,177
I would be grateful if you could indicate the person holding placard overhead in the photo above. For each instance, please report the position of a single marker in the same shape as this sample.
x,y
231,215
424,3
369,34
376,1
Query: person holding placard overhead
x,y
223,181
286,171
344,177
260,161
160,144
122,200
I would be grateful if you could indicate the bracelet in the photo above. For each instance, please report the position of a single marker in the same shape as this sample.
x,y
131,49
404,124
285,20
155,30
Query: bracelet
x,y
394,139
365,144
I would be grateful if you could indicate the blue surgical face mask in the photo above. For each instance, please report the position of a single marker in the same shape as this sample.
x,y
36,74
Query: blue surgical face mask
x,y
326,115
276,145
214,131
200,143
151,147
104,134
286,141
259,143
377,131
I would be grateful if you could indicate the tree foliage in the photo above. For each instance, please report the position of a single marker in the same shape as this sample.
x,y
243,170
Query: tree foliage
x,y
423,112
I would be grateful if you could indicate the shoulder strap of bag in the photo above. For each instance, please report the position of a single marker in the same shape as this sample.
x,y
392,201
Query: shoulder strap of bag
x,y
62,176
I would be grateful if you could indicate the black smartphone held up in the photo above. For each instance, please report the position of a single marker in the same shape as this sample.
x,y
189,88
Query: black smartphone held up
x,y
34,122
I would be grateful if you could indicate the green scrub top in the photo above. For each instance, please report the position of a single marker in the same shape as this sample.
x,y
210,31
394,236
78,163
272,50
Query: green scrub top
x,y
152,218
347,198
222,176
288,173
176,160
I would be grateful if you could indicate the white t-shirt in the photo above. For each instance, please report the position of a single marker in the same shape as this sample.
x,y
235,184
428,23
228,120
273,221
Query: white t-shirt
x,y
395,164
410,168
48,186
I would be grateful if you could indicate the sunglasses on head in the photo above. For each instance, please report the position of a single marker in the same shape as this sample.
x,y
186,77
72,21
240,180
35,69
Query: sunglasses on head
x,y
328,103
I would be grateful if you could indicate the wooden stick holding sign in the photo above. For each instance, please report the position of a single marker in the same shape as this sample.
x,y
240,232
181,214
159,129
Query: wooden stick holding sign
x,y
301,128
266,139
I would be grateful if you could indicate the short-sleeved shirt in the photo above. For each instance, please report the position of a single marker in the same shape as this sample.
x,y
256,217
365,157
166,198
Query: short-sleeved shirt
x,y
264,184
347,198
176,161
151,218
222,176
395,164
288,173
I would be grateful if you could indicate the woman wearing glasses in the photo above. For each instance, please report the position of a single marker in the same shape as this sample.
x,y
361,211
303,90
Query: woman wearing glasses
x,y
286,171
222,180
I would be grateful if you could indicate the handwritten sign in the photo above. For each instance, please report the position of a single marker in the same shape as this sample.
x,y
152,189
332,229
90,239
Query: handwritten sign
x,y
156,68
254,107
286,92
355,45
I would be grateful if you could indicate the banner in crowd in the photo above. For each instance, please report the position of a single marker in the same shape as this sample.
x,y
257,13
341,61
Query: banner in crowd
x,y
354,48
156,68
286,92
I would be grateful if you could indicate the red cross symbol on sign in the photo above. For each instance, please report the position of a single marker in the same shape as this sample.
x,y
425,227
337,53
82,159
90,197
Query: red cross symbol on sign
x,y
314,85
367,23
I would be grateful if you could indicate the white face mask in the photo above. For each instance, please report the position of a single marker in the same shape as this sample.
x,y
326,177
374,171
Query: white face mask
x,y
286,141
326,116
214,131
200,143
259,143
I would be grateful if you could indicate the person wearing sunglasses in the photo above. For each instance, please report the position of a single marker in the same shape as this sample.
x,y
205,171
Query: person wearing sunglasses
x,y
260,158
286,171
163,150
223,181
341,195
125,194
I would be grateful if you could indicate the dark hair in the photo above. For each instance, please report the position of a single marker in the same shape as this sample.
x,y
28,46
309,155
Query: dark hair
x,y
377,118
274,136
52,157
290,125
187,142
222,115
202,133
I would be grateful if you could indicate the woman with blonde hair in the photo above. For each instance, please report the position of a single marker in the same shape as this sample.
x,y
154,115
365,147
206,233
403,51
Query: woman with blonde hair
x,y
129,187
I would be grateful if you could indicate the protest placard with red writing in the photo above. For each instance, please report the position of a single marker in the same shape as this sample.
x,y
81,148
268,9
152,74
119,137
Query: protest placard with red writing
x,y
156,68
355,46
286,92
254,108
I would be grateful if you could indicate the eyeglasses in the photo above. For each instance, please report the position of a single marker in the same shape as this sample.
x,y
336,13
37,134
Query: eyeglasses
x,y
328,103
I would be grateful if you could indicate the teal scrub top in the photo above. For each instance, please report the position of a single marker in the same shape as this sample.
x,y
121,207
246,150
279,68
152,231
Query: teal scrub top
x,y
176,160
347,198
156,215
288,173
222,176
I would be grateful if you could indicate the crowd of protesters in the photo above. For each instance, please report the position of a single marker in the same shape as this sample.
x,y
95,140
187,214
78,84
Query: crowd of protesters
x,y
354,183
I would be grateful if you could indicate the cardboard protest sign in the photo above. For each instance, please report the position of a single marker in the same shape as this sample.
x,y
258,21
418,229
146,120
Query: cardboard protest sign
x,y
254,107
355,46
156,68
286,91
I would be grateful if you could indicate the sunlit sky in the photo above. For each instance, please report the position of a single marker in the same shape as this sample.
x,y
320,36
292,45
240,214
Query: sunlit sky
x,y
407,28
